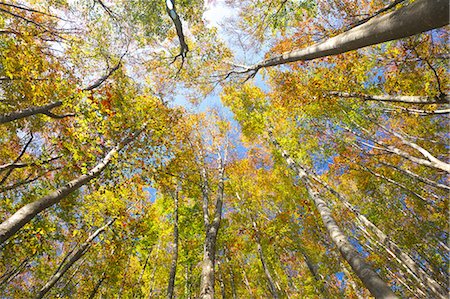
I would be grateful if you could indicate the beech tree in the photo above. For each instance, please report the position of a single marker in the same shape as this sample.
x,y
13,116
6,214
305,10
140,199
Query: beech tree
x,y
144,154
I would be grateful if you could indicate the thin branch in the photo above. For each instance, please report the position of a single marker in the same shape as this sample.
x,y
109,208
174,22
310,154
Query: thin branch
x,y
28,180
382,10
17,159
31,10
107,75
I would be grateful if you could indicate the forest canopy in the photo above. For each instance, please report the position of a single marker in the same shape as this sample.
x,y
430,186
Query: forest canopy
x,y
224,149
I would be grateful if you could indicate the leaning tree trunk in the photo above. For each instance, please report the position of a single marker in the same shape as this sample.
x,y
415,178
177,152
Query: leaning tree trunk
x,y
173,267
97,286
262,258
24,215
71,259
370,279
388,244
418,100
417,17
212,229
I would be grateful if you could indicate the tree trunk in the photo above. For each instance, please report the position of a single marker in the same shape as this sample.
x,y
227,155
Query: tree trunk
x,y
350,281
24,215
173,267
73,257
97,286
417,17
212,229
11,274
368,276
233,284
431,161
418,177
389,98
390,246
270,281
187,278
152,279
222,283
247,284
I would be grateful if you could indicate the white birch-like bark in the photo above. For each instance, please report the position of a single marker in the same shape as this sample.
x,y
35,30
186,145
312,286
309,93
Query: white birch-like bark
x,y
173,266
417,17
24,215
391,98
388,244
212,229
370,279
71,260
262,258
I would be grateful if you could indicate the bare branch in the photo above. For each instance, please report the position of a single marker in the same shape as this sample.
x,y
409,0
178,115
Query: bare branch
x,y
384,9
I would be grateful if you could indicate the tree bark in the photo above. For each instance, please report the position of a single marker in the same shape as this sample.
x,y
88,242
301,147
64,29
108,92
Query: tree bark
x,y
350,281
418,177
270,281
152,279
222,283
212,229
390,246
33,111
173,267
247,284
431,161
9,275
417,17
97,286
24,215
397,99
370,279
73,257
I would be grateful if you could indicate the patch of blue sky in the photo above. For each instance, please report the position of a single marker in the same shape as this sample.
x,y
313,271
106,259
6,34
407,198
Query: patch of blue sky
x,y
358,247
152,193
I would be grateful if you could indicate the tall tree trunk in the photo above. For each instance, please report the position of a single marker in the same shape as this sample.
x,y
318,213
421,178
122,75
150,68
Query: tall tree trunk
x,y
385,242
270,281
247,284
187,278
430,160
73,257
350,281
9,275
212,229
152,279
390,246
443,99
33,111
417,177
221,281
368,276
417,17
313,268
232,282
24,215
145,266
97,286
173,267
